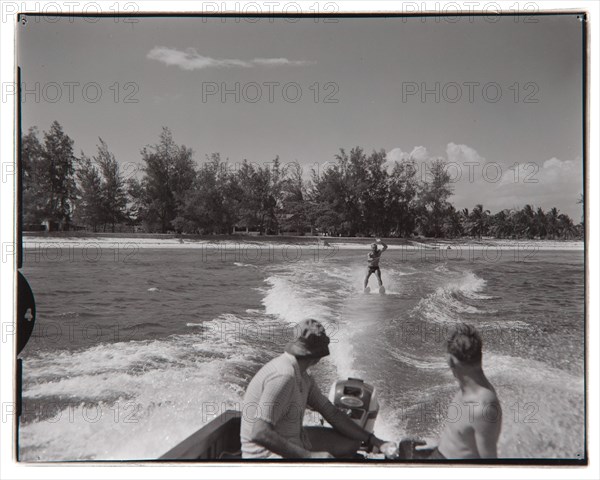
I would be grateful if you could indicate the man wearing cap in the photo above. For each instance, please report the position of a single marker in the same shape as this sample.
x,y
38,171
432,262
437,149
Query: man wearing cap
x,y
277,397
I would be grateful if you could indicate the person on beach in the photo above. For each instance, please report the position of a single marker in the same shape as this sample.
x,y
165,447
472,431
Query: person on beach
x,y
474,415
373,262
276,399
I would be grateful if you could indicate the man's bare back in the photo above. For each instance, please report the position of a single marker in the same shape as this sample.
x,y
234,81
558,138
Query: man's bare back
x,y
473,424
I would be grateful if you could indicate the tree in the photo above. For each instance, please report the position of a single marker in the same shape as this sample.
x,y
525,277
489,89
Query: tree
x,y
293,202
136,194
59,172
375,200
89,204
402,204
478,221
328,204
358,195
566,227
581,201
208,206
35,178
272,202
252,187
524,220
552,227
353,193
453,224
113,188
501,225
434,199
260,195
169,175
539,223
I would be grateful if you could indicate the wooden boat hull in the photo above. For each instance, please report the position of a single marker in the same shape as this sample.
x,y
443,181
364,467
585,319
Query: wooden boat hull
x,y
217,440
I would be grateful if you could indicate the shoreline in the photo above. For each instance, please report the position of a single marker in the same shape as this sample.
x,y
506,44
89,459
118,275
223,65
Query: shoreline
x,y
32,240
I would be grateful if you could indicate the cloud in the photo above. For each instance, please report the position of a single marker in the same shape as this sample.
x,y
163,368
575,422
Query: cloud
x,y
276,62
463,154
397,155
551,183
498,185
420,154
191,60
555,170
552,174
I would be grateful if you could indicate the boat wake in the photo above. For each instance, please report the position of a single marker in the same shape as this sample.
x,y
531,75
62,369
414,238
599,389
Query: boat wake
x,y
453,301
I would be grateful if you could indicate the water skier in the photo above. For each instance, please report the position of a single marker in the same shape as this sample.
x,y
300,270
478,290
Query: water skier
x,y
373,264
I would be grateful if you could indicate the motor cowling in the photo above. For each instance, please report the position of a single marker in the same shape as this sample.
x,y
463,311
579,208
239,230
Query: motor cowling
x,y
357,399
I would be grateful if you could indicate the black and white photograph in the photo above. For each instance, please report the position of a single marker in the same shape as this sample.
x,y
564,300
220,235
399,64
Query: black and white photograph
x,y
301,235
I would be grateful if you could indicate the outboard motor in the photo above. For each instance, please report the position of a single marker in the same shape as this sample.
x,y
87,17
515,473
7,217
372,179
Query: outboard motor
x,y
357,399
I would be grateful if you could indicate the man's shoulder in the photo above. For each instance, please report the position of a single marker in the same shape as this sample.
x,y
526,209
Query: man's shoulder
x,y
280,366
487,396
487,406
478,400
275,377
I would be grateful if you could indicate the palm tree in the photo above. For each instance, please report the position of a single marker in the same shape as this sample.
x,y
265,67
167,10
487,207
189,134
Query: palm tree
x,y
524,222
552,227
501,224
452,223
566,227
540,223
478,221
581,202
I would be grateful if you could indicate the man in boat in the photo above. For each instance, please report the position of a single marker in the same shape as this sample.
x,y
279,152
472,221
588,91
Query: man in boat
x,y
474,416
373,262
276,399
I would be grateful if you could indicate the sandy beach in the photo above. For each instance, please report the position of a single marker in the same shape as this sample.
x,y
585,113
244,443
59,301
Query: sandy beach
x,y
171,241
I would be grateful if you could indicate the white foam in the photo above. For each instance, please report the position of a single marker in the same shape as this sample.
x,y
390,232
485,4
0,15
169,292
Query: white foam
x,y
137,399
290,303
298,293
444,304
249,265
430,363
543,409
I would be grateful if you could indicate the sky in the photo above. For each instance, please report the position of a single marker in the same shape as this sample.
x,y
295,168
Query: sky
x,y
501,100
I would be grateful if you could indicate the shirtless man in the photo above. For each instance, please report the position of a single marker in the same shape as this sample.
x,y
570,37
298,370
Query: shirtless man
x,y
373,262
474,416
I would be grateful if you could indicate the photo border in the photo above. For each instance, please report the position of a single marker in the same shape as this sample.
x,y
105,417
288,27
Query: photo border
x,y
589,233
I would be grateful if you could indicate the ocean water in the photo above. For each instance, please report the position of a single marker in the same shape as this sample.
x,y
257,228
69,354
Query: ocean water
x,y
136,349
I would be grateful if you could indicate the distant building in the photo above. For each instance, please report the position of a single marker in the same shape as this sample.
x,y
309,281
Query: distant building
x,y
244,228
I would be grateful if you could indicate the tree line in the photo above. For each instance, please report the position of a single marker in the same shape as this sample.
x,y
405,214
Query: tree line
x,y
357,195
